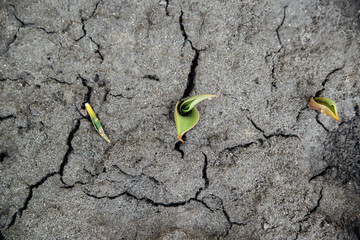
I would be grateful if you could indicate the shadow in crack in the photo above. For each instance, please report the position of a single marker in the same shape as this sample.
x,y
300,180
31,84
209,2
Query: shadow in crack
x,y
342,151
342,154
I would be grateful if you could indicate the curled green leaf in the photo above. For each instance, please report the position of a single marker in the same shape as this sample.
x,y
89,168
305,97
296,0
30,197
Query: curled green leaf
x,y
325,106
96,121
186,114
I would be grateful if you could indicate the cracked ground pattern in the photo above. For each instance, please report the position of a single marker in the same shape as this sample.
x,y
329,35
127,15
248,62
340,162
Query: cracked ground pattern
x,y
259,164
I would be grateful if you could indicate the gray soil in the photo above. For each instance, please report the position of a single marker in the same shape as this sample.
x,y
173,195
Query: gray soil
x,y
258,165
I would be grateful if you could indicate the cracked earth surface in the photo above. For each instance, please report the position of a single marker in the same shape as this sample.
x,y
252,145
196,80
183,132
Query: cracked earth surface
x,y
259,164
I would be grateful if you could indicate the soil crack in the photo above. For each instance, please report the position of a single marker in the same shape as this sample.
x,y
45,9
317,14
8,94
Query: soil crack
x,y
7,117
88,94
29,197
321,124
84,20
152,77
272,134
271,54
70,149
327,78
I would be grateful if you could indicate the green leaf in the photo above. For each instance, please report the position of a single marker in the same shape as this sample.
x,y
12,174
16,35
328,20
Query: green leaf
x,y
186,114
325,106
190,103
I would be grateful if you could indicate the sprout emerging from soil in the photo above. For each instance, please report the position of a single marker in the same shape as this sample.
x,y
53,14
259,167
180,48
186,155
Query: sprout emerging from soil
x,y
96,122
186,115
325,106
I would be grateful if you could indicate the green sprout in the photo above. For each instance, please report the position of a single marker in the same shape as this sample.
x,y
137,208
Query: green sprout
x,y
96,122
325,106
186,114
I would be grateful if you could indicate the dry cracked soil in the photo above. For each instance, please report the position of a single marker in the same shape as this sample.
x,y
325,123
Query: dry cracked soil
x,y
259,164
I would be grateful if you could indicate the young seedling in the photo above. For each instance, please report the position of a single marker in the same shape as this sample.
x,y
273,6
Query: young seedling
x,y
96,122
186,114
325,106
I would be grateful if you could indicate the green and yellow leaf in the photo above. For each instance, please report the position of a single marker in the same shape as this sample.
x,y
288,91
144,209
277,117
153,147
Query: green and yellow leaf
x,y
96,122
325,106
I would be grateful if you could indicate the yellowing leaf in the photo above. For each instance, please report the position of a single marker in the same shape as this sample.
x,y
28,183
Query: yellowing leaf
x,y
96,122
